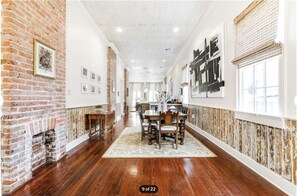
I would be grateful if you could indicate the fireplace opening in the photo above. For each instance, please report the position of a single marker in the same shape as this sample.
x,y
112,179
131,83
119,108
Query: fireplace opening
x,y
43,148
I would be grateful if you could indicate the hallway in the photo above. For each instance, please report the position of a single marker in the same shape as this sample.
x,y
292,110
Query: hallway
x,y
84,172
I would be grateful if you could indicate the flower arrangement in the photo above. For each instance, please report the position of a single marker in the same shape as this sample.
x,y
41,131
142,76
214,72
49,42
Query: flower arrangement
x,y
163,96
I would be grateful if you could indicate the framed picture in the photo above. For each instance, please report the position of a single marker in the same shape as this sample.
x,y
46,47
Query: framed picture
x,y
84,72
93,76
84,88
92,89
98,90
44,60
98,78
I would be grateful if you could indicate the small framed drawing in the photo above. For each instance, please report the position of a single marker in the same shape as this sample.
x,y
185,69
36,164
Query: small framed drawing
x,y
44,60
93,76
84,72
98,78
84,88
92,89
98,90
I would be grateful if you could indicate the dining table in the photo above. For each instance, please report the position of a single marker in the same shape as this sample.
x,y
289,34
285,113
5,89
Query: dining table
x,y
153,115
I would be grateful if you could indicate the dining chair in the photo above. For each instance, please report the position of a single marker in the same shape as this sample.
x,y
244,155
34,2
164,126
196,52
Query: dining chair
x,y
167,126
145,126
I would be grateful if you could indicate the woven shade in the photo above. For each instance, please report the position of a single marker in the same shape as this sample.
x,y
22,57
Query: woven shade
x,y
256,32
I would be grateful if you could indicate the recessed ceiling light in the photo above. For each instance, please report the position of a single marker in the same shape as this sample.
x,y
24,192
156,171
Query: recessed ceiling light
x,y
119,30
175,29
163,60
132,60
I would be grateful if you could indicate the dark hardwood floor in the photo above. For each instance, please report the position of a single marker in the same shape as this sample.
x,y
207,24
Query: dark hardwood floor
x,y
84,172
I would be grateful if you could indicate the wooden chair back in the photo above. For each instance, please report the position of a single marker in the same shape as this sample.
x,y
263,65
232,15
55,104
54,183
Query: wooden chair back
x,y
168,118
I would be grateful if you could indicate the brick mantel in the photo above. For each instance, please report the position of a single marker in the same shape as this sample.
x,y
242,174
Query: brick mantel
x,y
42,125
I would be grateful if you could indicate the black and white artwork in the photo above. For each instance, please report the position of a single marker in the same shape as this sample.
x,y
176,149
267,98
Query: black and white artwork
x,y
84,72
206,69
84,88
93,76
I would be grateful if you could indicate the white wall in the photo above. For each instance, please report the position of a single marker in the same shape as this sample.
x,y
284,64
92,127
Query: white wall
x,y
224,13
86,46
145,77
220,13
290,62
120,81
120,74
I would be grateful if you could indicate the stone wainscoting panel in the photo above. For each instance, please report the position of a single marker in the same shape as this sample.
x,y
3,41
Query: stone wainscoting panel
x,y
76,121
272,147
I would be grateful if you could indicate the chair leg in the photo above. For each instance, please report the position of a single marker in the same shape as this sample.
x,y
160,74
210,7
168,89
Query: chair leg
x,y
159,139
176,140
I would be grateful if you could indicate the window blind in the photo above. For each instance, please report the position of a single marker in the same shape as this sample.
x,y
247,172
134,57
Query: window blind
x,y
256,32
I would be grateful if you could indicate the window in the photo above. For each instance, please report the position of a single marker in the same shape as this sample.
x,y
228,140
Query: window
x,y
259,87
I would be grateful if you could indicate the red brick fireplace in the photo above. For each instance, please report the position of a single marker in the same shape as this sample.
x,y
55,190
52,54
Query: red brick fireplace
x,y
34,114
43,142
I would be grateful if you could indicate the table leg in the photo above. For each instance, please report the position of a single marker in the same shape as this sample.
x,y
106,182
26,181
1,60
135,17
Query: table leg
x,y
103,128
182,132
150,133
90,127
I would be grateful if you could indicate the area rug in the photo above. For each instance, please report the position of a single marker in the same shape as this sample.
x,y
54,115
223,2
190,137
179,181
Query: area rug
x,y
129,145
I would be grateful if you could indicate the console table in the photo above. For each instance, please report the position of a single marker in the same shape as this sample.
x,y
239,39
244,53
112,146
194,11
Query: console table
x,y
105,120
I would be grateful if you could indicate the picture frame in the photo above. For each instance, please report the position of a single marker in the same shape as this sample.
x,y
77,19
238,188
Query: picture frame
x,y
84,72
92,76
98,90
44,60
98,78
84,88
92,89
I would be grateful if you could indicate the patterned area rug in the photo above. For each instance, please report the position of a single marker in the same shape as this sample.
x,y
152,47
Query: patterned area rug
x,y
129,145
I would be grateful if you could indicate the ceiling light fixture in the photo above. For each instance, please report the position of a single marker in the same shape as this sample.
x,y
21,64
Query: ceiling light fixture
x,y
132,60
119,30
163,60
175,29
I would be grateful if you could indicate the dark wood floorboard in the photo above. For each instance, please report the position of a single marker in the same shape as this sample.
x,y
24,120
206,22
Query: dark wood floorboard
x,y
84,172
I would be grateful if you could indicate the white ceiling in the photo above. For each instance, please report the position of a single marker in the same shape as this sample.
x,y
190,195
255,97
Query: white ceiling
x,y
147,29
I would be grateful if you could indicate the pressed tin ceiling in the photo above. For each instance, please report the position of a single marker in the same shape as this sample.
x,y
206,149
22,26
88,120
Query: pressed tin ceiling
x,y
148,34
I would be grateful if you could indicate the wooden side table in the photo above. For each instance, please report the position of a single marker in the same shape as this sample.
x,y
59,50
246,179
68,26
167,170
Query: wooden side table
x,y
105,120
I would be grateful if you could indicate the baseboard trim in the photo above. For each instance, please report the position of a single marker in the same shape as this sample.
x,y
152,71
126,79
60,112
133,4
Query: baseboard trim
x,y
76,142
266,173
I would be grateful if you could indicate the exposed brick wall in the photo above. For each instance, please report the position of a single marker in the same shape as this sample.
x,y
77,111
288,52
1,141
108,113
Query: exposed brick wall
x,y
111,79
31,103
